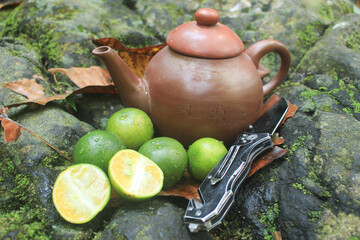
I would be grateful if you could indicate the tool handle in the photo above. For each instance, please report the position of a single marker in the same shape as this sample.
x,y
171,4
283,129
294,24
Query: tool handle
x,y
218,189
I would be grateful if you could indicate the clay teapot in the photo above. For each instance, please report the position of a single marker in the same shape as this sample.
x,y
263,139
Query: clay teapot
x,y
202,84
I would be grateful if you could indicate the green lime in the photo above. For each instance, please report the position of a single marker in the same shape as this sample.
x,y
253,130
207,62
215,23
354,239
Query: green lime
x,y
132,125
80,192
97,147
134,176
203,155
169,155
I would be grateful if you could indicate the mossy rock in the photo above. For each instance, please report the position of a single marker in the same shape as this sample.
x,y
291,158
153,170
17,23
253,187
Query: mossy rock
x,y
61,30
338,160
338,61
163,16
56,126
18,60
338,225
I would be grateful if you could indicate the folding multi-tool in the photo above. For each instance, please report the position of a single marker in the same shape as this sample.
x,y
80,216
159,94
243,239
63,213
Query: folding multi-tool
x,y
217,191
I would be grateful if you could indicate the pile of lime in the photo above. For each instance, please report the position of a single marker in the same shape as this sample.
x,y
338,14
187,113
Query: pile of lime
x,y
126,158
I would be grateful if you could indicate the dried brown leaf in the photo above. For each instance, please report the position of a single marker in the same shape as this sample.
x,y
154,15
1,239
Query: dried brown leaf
x,y
11,129
28,87
267,158
186,188
89,80
83,77
136,58
277,235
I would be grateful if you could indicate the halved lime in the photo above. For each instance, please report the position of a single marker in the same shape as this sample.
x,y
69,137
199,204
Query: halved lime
x,y
134,176
81,192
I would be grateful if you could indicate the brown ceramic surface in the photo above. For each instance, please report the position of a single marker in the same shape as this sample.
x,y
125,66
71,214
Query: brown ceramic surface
x,y
191,97
205,37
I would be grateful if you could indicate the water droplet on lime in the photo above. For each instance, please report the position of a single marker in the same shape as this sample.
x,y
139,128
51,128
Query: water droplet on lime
x,y
123,117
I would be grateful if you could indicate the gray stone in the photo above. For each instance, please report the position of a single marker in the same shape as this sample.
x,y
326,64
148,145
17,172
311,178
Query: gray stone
x,y
153,219
340,60
96,109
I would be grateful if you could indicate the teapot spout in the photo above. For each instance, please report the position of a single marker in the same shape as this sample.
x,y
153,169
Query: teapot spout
x,y
131,88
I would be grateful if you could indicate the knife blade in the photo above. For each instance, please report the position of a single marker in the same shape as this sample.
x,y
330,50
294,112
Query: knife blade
x,y
217,191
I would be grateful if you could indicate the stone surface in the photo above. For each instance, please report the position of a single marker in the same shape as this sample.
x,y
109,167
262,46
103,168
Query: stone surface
x,y
153,219
311,193
54,125
18,61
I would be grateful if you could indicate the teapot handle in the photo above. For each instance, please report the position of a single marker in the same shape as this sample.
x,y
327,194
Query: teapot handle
x,y
260,49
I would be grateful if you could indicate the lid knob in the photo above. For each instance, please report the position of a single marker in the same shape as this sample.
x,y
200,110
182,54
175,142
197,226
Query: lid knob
x,y
207,16
205,38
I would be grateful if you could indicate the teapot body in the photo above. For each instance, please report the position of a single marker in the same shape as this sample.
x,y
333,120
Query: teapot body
x,y
191,97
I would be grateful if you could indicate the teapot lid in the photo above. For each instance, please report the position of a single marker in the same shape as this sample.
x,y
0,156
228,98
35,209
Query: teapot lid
x,y
205,37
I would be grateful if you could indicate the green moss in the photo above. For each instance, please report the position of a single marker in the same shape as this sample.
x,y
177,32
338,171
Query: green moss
x,y
312,175
314,215
268,219
273,178
326,13
20,215
338,226
308,35
350,90
232,227
299,142
26,223
352,41
301,187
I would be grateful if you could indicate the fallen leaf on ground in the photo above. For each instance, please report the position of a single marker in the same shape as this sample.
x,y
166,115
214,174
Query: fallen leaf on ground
x,y
28,87
186,188
11,129
266,158
89,80
89,89
136,58
277,235
83,77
